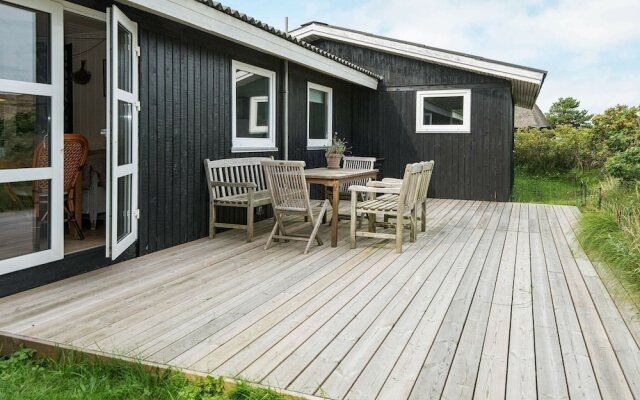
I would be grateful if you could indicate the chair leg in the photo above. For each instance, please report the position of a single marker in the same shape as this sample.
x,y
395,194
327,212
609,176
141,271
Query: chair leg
x,y
274,231
423,222
352,231
212,221
372,222
399,232
316,226
413,224
71,220
250,224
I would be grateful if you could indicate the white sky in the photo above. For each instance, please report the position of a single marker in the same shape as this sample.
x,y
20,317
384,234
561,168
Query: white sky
x,y
591,48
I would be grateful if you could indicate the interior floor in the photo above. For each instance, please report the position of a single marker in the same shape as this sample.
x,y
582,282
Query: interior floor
x,y
92,238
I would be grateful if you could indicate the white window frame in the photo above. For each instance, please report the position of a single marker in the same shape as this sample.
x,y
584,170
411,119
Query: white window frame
x,y
254,144
254,128
320,143
466,111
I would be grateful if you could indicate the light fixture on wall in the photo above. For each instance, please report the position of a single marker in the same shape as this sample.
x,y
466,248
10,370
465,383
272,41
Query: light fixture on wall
x,y
82,76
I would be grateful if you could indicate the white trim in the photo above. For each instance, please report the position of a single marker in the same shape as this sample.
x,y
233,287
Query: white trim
x,y
253,143
254,128
316,143
116,94
31,88
419,52
466,111
25,174
55,172
205,18
83,11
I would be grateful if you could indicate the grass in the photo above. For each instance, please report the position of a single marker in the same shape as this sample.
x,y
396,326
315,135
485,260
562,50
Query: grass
x,y
552,189
22,376
611,233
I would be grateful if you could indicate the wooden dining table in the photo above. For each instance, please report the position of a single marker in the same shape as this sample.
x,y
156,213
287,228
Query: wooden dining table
x,y
334,178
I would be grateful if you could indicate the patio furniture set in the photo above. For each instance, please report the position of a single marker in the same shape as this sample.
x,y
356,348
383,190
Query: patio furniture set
x,y
285,185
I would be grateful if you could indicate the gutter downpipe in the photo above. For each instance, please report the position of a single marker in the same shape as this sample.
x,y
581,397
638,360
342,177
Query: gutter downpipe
x,y
286,98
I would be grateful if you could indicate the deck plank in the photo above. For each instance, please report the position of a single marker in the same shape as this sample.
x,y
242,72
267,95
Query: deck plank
x,y
494,300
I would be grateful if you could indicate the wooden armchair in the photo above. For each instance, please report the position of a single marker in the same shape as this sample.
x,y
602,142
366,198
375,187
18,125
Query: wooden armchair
x,y
400,203
421,202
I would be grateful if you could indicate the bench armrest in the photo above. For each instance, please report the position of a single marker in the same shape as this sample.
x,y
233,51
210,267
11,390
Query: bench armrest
x,y
393,181
378,184
370,189
248,185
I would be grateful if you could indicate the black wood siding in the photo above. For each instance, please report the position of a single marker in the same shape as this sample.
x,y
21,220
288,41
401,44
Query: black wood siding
x,y
474,166
185,92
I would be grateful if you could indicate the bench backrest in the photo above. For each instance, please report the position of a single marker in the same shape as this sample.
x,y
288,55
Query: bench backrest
x,y
234,170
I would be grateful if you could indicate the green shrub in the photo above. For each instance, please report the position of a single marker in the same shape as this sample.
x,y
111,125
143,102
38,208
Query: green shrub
x,y
618,128
625,165
553,151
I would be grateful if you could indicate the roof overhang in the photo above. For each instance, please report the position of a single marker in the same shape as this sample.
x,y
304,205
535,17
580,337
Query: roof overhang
x,y
201,16
526,82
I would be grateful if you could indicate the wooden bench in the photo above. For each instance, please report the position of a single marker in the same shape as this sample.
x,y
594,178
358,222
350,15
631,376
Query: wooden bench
x,y
236,182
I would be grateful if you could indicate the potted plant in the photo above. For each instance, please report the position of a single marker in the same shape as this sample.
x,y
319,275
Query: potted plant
x,y
335,152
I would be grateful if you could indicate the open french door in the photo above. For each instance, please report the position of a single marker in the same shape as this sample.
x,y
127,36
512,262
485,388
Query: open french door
x,y
122,133
31,133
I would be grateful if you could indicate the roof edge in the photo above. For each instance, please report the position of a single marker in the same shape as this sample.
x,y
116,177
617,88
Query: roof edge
x,y
527,77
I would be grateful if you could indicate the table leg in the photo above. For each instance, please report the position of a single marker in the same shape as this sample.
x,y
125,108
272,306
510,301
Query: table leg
x,y
335,204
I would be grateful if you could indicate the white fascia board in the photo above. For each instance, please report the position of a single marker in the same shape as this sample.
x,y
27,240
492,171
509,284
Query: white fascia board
x,y
205,18
420,53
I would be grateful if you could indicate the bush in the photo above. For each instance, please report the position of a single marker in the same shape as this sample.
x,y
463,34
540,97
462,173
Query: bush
x,y
625,165
553,151
618,128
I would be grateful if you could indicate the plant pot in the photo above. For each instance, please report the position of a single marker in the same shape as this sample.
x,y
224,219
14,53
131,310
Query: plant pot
x,y
333,160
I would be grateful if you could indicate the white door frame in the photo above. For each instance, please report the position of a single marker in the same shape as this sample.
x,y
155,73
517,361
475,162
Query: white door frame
x,y
114,246
55,172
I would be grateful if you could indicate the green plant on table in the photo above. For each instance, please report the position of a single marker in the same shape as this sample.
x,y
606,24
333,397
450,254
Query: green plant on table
x,y
338,146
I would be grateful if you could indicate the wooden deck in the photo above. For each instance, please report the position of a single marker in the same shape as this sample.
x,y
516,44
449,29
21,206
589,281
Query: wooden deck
x,y
495,300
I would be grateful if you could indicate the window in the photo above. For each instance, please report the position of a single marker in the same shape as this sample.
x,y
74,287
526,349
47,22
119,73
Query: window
x,y
319,115
443,111
253,108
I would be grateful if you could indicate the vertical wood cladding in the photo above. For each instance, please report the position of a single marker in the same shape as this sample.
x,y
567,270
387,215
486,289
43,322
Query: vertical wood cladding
x,y
477,165
185,92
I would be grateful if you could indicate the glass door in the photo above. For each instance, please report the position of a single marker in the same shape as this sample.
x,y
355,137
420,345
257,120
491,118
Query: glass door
x,y
122,140
31,133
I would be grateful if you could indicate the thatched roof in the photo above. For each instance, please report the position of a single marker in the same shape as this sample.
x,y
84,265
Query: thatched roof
x,y
534,118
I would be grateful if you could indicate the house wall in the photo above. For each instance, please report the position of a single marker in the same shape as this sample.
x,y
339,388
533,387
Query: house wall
x,y
474,166
185,92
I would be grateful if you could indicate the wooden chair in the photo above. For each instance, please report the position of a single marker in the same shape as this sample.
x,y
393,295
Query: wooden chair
x,y
290,196
421,202
76,151
402,204
352,162
236,182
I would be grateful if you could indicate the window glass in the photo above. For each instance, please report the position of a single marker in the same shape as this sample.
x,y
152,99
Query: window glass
x,y
24,211
125,64
318,114
443,110
24,44
24,128
252,105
